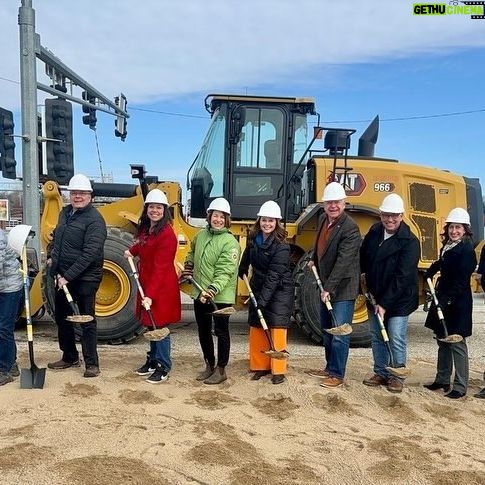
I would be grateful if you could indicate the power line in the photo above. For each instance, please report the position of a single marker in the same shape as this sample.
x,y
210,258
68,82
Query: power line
x,y
418,117
401,118
167,113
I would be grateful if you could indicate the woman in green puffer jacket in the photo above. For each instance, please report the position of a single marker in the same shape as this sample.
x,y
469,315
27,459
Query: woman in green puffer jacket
x,y
213,262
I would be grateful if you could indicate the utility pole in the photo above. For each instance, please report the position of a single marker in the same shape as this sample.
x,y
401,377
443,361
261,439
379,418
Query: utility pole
x,y
31,49
28,99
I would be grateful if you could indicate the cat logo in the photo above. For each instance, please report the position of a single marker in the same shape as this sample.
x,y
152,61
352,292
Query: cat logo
x,y
353,183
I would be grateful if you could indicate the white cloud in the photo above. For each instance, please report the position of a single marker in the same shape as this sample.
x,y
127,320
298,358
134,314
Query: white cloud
x,y
155,49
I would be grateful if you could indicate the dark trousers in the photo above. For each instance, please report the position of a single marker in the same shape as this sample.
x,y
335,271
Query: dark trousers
x,y
84,294
204,321
9,305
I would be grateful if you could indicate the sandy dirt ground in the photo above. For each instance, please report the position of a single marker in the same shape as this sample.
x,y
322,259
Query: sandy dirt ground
x,y
118,429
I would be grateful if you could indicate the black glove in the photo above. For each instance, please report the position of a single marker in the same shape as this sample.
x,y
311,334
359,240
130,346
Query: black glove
x,y
443,300
261,304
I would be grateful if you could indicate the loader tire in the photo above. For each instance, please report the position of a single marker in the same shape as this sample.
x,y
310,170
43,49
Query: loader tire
x,y
115,299
307,307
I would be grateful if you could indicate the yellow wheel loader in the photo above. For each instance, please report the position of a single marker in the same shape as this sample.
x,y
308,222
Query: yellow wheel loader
x,y
259,149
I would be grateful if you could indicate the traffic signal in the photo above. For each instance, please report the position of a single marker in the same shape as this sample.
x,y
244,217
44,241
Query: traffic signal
x,y
7,145
58,125
120,122
90,117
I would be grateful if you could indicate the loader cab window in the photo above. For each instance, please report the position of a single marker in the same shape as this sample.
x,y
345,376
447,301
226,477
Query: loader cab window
x,y
301,138
207,179
259,160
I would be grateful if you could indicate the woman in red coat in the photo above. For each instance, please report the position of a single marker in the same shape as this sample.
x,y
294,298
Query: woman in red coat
x,y
155,246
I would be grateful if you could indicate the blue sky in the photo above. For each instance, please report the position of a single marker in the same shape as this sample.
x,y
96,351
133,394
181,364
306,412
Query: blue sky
x,y
356,58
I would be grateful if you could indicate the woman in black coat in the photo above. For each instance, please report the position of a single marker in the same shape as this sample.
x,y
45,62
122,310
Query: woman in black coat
x,y
268,253
456,264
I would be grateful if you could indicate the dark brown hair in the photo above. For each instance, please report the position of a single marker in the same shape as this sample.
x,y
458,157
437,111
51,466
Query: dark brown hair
x,y
445,237
279,231
144,223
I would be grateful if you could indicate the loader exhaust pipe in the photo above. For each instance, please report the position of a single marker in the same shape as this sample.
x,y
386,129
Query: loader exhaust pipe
x,y
368,140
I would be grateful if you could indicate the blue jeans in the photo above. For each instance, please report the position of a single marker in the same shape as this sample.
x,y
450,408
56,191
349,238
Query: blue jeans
x,y
9,305
397,328
336,346
160,352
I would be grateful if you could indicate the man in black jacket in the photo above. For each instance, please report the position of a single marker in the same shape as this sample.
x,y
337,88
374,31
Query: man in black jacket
x,y
76,259
389,258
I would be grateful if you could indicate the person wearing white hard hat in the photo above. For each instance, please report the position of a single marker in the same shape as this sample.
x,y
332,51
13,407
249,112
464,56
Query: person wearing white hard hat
x,y
268,254
389,258
212,261
336,257
155,247
11,291
75,258
456,265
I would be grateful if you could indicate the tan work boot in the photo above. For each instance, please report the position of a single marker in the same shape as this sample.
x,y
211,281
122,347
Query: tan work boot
x,y
217,377
205,374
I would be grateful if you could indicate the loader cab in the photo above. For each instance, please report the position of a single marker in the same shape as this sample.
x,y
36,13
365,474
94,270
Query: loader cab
x,y
251,154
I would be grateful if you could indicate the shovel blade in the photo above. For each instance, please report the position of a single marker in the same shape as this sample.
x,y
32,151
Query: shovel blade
x,y
32,378
276,354
80,319
451,339
224,311
344,329
399,371
157,335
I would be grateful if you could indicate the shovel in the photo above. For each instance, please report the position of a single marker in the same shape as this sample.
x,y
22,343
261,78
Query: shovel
x,y
396,371
156,334
451,339
76,317
273,353
34,377
223,311
345,328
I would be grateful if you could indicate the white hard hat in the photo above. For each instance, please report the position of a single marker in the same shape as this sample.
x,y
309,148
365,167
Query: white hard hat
x,y
17,237
80,182
220,204
270,209
156,196
333,191
459,216
392,204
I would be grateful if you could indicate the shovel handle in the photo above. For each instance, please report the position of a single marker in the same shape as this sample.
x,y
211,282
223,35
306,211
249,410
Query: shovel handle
x,y
197,285
317,278
138,284
255,304
439,310
72,303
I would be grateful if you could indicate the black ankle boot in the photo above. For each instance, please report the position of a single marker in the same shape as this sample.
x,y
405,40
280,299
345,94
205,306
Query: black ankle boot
x,y
434,386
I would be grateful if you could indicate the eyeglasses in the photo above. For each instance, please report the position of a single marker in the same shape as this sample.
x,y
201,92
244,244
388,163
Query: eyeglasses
x,y
390,216
79,192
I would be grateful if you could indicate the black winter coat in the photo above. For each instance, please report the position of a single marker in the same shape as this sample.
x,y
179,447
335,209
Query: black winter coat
x,y
271,281
453,290
391,269
77,250
339,265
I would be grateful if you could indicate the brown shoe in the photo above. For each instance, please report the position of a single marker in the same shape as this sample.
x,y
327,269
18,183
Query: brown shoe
x,y
394,385
375,381
332,382
62,364
318,373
